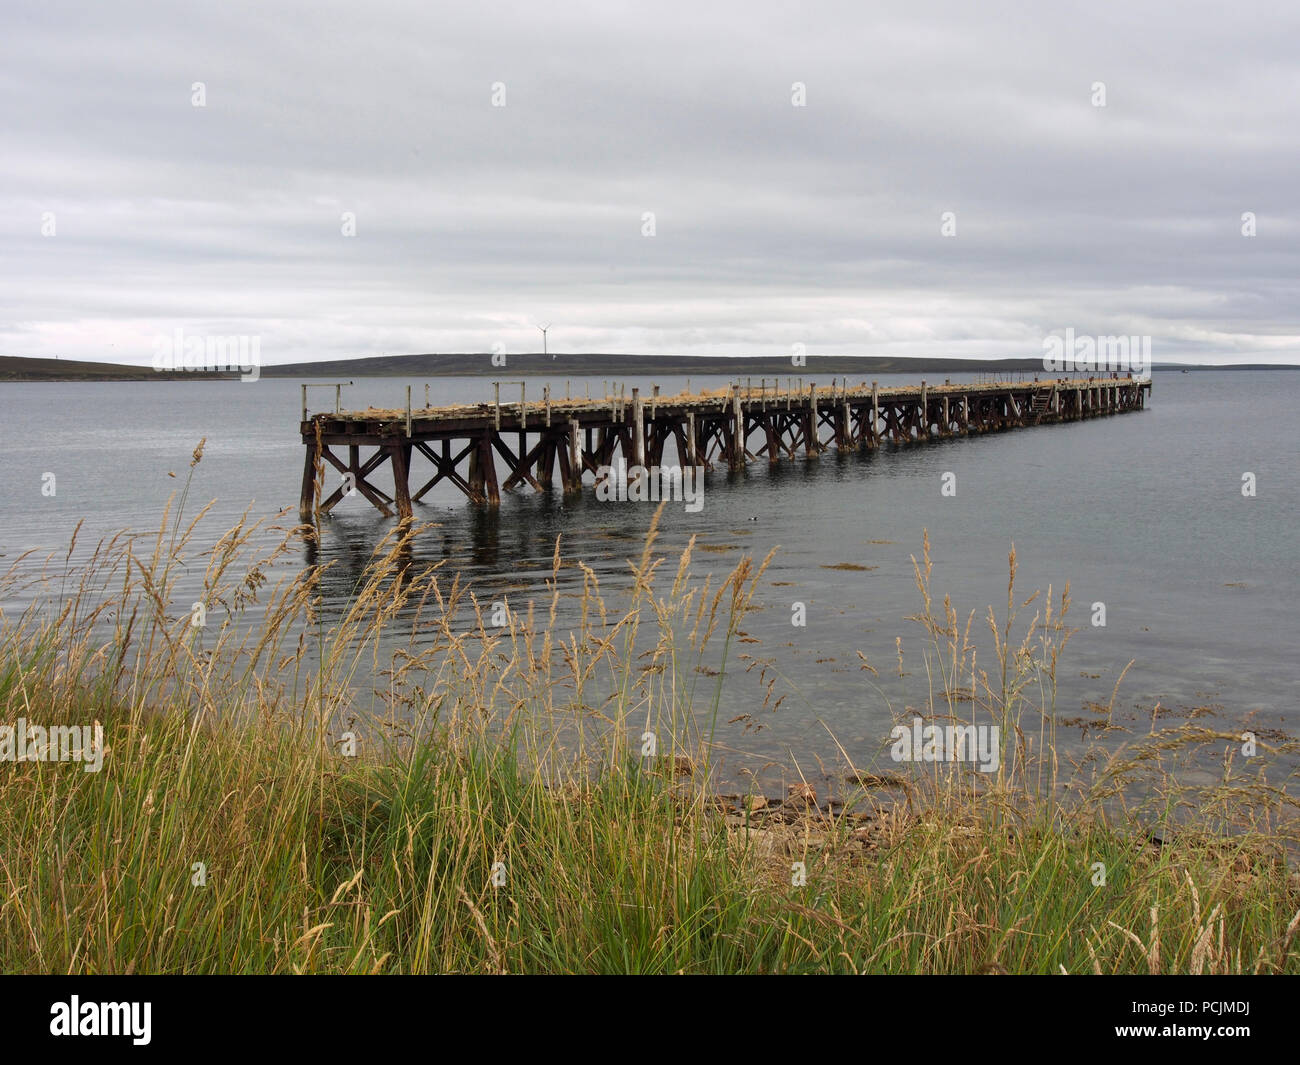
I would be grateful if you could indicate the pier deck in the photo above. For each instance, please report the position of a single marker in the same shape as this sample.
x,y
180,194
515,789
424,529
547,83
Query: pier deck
x,y
724,426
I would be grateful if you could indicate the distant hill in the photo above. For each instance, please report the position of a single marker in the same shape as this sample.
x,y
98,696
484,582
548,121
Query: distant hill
x,y
535,364
22,369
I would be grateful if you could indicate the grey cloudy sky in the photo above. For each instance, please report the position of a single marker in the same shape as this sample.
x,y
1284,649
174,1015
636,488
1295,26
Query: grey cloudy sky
x,y
774,224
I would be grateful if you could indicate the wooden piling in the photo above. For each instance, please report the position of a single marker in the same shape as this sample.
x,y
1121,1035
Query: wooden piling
x,y
736,458
399,457
574,482
307,498
638,429
523,420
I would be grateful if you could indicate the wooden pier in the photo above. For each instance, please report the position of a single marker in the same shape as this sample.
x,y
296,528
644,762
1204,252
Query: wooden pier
x,y
729,426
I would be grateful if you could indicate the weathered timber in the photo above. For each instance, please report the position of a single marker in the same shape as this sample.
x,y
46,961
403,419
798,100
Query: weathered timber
x,y
707,428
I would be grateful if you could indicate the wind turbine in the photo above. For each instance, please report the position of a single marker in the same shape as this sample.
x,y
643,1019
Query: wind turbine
x,y
544,328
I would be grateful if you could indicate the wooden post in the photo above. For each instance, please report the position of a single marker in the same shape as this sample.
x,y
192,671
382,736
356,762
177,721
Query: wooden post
x,y
575,457
691,457
738,430
925,413
811,445
307,499
638,429
487,469
401,487
546,455
523,424
408,418
476,472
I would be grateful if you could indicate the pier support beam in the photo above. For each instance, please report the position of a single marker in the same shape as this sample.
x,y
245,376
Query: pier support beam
x,y
573,482
811,445
399,455
638,429
307,499
736,453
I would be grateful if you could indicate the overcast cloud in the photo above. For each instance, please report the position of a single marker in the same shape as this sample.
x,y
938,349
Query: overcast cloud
x,y
774,224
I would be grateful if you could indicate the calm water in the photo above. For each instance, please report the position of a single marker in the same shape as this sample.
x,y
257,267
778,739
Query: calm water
x,y
1143,512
